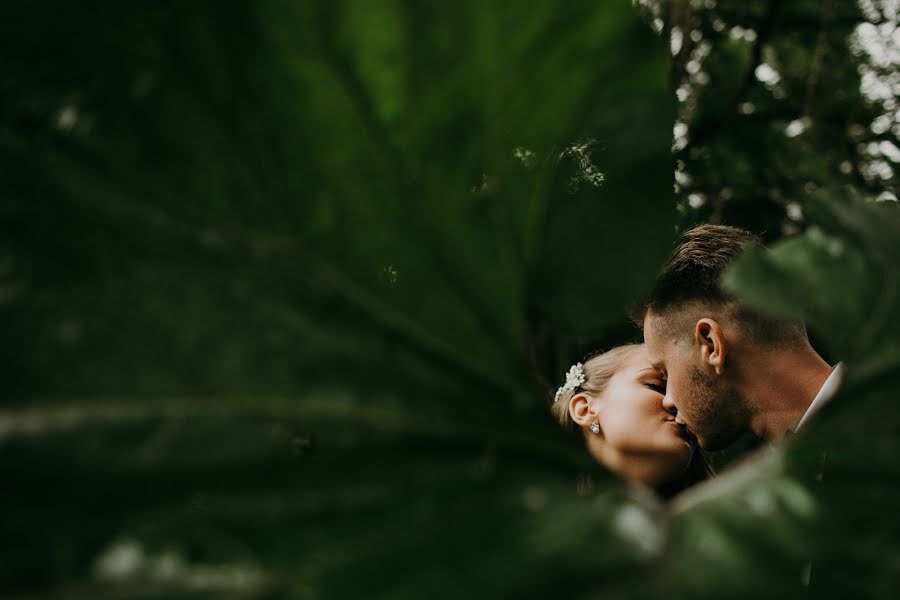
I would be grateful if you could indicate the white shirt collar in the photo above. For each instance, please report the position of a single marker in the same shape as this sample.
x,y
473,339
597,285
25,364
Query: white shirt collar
x,y
828,390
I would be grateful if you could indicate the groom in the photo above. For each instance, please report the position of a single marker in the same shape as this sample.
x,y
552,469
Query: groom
x,y
729,369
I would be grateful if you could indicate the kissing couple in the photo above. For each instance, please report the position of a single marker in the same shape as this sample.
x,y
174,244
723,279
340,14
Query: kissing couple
x,y
710,370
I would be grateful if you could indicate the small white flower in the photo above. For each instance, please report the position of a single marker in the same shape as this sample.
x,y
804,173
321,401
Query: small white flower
x,y
574,378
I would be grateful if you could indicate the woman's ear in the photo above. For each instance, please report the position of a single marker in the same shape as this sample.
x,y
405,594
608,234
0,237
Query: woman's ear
x,y
581,411
713,348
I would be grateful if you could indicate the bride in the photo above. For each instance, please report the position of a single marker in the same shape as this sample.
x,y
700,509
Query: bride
x,y
616,400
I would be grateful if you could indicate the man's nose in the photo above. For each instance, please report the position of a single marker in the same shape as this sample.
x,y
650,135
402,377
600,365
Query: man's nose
x,y
669,404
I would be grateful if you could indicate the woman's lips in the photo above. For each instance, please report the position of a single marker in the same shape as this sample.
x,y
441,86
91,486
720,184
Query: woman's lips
x,y
680,430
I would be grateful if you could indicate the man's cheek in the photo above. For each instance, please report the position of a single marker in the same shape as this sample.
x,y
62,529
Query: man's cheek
x,y
687,404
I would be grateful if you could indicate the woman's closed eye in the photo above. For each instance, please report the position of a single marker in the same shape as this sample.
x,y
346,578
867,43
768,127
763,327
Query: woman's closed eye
x,y
657,387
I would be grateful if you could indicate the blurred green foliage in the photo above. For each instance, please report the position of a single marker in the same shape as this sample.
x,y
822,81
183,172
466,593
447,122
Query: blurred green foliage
x,y
282,282
779,99
285,288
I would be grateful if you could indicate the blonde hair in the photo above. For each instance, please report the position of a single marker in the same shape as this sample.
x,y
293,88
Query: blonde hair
x,y
598,370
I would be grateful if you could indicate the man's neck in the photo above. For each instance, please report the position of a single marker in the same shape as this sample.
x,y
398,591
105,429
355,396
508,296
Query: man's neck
x,y
779,387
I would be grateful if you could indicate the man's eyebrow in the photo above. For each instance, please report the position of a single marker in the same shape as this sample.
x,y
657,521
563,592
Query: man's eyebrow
x,y
655,370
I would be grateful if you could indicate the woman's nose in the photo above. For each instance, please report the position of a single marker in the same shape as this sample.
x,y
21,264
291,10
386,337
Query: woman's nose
x,y
669,404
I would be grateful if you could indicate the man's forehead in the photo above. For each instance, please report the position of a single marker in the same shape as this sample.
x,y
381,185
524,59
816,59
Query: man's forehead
x,y
652,328
654,340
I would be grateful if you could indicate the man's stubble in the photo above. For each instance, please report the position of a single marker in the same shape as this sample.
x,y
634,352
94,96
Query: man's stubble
x,y
720,414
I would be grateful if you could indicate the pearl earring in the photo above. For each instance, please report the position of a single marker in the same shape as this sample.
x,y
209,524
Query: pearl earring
x,y
595,427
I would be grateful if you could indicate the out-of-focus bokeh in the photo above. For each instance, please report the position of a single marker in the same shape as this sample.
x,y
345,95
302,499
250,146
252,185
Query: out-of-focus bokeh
x,y
778,100
285,288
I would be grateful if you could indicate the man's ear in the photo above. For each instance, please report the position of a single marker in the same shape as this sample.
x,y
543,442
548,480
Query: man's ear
x,y
581,411
711,341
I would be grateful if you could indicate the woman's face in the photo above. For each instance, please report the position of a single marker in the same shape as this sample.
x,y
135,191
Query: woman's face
x,y
646,441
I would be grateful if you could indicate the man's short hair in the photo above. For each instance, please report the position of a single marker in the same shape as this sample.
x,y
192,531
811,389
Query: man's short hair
x,y
693,273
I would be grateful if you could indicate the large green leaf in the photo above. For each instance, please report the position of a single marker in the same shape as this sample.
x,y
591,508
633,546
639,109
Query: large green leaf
x,y
841,277
285,287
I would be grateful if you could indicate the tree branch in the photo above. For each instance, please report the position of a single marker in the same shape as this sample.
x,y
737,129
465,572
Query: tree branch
x,y
818,57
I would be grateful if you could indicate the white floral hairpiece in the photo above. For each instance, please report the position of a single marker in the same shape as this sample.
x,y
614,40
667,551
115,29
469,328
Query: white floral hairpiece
x,y
574,378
